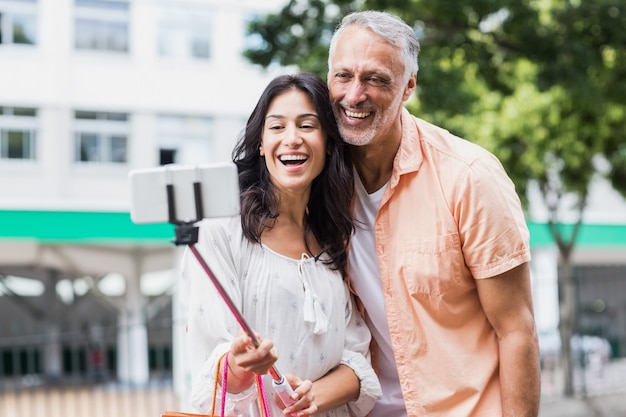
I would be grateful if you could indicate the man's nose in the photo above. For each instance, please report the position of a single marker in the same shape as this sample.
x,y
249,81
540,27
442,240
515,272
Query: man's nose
x,y
355,92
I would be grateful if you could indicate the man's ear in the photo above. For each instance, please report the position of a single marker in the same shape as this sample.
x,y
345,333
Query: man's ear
x,y
409,88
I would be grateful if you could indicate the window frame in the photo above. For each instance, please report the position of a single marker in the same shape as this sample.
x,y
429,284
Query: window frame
x,y
9,9
27,124
105,128
176,131
94,26
184,25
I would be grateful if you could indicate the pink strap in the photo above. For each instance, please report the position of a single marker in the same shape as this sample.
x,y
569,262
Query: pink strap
x,y
261,389
262,397
224,383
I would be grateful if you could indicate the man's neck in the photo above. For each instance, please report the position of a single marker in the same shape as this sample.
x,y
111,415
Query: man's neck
x,y
374,164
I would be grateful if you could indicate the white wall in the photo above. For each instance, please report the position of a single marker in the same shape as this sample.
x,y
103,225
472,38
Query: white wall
x,y
57,79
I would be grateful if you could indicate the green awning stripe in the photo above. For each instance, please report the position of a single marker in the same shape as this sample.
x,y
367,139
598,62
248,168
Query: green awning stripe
x,y
87,227
79,226
589,235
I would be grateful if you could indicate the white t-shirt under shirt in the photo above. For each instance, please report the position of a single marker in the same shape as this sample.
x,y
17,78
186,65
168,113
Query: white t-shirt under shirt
x,y
365,279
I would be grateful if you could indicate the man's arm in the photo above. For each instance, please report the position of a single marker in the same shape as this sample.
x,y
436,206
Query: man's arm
x,y
336,388
507,302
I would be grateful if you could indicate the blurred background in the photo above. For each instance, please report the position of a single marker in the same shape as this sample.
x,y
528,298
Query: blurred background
x,y
90,321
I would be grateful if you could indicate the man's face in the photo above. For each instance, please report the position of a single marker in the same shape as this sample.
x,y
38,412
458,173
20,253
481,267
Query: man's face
x,y
367,87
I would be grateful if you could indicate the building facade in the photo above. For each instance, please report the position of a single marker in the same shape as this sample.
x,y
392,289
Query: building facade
x,y
93,89
89,91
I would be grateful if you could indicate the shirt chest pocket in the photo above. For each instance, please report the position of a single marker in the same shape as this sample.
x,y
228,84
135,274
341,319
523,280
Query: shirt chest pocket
x,y
433,265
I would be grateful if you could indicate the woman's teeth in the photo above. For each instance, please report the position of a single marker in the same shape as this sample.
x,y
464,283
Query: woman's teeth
x,y
293,159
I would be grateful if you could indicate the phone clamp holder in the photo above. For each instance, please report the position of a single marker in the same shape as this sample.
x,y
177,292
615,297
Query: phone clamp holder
x,y
186,231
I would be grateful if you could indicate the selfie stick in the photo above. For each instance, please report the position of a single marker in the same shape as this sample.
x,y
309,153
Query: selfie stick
x,y
187,234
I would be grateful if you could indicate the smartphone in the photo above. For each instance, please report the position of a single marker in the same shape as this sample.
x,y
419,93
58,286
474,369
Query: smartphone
x,y
218,184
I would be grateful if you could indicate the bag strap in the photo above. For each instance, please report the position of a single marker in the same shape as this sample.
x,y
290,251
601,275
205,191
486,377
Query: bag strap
x,y
263,407
262,398
217,380
224,383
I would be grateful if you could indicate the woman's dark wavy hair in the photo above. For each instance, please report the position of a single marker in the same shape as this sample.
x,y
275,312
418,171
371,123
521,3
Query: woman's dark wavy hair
x,y
329,215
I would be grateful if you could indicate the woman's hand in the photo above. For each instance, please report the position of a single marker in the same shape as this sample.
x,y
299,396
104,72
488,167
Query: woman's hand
x,y
305,402
258,360
246,361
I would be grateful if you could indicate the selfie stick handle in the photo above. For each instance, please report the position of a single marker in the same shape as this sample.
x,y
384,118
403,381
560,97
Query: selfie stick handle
x,y
280,384
187,234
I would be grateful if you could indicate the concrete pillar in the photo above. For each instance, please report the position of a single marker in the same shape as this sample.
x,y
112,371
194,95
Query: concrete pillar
x,y
181,369
52,352
132,341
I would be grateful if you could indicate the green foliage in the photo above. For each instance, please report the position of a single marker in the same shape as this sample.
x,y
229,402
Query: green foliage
x,y
299,34
541,83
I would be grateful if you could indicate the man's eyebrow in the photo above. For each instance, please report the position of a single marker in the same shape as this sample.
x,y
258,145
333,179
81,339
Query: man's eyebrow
x,y
376,73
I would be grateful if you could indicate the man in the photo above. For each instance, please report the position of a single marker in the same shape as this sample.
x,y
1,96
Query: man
x,y
440,255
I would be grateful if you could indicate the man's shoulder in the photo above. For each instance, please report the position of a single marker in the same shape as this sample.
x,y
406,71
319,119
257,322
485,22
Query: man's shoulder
x,y
437,140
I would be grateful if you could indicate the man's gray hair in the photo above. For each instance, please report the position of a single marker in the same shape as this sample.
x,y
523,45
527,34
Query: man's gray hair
x,y
389,27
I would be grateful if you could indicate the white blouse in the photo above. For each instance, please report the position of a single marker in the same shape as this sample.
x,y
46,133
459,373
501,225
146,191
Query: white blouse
x,y
302,305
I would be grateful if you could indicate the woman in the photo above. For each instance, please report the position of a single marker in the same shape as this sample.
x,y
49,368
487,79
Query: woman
x,y
283,263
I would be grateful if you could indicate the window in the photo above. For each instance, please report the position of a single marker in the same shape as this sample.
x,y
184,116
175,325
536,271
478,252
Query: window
x,y
184,31
102,25
18,22
101,137
18,127
184,139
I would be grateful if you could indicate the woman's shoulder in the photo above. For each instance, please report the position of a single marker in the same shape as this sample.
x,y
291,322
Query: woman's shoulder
x,y
222,229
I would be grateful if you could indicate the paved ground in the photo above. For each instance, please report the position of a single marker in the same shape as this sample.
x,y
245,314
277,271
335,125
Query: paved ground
x,y
87,402
604,385
605,389
608,405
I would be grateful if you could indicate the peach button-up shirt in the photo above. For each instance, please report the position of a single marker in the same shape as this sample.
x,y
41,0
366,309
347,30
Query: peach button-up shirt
x,y
449,216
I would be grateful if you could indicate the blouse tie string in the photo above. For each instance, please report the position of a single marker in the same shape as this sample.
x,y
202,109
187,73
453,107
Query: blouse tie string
x,y
313,312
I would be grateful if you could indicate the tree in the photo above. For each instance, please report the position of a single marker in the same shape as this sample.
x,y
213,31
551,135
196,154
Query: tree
x,y
578,52
542,84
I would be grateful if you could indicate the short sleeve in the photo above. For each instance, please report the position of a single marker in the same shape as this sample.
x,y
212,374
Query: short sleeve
x,y
492,226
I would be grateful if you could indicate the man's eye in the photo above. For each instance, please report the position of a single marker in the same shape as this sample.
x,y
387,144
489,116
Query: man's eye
x,y
376,81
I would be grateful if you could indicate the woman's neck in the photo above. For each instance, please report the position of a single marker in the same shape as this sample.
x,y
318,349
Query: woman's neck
x,y
291,237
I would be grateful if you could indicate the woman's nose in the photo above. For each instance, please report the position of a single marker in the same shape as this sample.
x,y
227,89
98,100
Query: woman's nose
x,y
293,138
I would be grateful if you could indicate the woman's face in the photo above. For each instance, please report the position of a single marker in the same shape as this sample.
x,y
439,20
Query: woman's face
x,y
293,142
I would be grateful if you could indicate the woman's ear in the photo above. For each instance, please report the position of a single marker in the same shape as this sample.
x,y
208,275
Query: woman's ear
x,y
261,151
